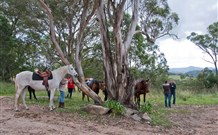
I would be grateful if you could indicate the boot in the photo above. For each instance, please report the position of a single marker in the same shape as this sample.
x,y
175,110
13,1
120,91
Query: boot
x,y
60,105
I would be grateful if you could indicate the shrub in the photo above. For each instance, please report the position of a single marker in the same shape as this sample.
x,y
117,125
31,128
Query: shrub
x,y
147,107
115,106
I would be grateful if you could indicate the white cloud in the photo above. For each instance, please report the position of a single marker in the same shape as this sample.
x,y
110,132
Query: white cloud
x,y
195,16
183,53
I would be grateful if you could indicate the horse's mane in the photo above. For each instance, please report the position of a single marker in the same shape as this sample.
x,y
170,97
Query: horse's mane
x,y
60,68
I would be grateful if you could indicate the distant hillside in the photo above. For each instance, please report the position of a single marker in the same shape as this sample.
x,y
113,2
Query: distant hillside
x,y
184,70
193,73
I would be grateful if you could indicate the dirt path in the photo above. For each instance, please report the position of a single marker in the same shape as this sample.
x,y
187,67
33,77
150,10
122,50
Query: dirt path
x,y
40,121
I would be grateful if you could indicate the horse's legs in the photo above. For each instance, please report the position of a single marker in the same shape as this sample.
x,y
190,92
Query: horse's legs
x,y
30,92
144,97
18,92
87,97
48,93
34,94
51,104
105,94
138,101
83,96
23,97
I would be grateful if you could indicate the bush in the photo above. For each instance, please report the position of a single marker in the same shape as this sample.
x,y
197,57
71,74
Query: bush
x,y
147,107
115,106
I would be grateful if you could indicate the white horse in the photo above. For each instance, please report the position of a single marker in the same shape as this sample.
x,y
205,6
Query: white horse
x,y
24,79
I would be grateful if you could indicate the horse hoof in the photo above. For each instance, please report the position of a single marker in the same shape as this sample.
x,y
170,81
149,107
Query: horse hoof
x,y
17,110
51,109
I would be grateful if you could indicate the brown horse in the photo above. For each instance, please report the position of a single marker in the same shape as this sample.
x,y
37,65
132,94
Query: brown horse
x,y
141,87
102,86
96,85
31,91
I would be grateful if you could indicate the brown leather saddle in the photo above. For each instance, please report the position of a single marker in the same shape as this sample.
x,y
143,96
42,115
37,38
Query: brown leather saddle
x,y
45,75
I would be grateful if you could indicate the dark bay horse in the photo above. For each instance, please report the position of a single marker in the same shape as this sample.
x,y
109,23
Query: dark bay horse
x,y
96,86
32,92
141,87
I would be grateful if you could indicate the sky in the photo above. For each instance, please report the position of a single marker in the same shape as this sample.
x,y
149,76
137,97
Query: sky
x,y
195,16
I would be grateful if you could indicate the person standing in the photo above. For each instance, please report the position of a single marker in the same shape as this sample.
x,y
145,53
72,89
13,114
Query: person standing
x,y
173,91
167,95
70,87
62,87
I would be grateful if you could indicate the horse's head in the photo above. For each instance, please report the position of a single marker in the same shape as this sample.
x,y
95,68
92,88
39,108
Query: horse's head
x,y
72,71
146,85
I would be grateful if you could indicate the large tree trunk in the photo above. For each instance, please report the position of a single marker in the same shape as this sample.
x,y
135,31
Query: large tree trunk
x,y
110,74
117,76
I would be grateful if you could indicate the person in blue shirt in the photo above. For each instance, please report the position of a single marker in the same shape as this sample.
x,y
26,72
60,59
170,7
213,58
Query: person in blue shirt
x,y
173,91
62,87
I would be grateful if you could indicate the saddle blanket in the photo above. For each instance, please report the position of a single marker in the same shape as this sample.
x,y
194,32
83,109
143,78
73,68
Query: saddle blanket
x,y
37,77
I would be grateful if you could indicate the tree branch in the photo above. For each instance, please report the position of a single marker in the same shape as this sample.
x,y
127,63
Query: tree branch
x,y
52,32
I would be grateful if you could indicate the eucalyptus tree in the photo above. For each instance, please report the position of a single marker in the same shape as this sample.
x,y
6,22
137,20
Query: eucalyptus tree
x,y
83,19
7,47
208,43
148,60
29,27
155,21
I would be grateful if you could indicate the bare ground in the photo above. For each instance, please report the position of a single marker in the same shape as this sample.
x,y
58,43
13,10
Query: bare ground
x,y
187,120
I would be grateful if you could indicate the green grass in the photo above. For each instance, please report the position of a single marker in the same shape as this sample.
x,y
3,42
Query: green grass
x,y
7,89
175,77
158,113
72,105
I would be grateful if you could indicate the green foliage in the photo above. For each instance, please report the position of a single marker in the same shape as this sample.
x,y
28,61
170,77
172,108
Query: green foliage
x,y
157,19
93,70
208,78
184,95
208,43
8,47
115,106
7,88
147,107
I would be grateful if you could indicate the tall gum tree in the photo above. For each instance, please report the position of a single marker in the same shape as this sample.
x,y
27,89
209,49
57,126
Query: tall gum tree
x,y
156,21
208,43
117,75
84,22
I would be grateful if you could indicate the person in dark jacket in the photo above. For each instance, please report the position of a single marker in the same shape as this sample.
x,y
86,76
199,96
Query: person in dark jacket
x,y
167,95
173,91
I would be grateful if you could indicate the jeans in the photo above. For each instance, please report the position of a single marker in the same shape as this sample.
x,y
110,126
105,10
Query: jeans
x,y
61,97
167,98
70,90
174,97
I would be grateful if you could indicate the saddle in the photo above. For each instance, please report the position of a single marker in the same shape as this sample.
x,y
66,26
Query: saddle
x,y
46,75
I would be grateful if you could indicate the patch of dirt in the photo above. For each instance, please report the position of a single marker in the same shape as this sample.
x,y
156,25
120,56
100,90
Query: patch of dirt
x,y
39,120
